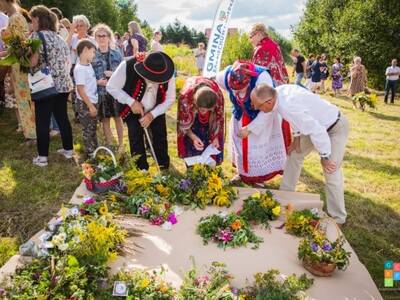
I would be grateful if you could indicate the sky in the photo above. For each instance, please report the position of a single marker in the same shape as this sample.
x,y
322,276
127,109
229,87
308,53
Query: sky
x,y
279,14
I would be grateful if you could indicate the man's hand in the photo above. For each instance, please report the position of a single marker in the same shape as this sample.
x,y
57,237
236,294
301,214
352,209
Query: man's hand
x,y
329,166
295,145
108,73
146,120
137,108
102,82
92,111
244,132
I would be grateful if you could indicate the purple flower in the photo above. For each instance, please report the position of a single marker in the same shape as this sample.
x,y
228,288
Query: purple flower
x,y
185,184
327,247
225,235
157,221
172,219
143,210
314,247
89,201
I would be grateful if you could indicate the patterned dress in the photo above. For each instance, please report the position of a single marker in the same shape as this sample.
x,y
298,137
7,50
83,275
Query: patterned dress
x,y
337,82
358,80
18,26
268,54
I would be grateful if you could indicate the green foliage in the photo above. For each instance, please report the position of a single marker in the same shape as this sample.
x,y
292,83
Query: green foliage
x,y
363,99
183,58
176,33
347,28
214,285
301,223
237,46
229,230
8,247
261,208
269,286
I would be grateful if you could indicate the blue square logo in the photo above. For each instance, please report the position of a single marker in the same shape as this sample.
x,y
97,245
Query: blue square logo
x,y
396,276
389,264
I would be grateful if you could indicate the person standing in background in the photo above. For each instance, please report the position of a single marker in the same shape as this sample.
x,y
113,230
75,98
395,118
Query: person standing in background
x,y
324,71
316,75
137,42
310,61
200,55
155,42
392,77
337,78
299,66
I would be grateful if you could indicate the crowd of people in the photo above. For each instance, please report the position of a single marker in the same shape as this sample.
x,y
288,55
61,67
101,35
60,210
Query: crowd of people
x,y
274,125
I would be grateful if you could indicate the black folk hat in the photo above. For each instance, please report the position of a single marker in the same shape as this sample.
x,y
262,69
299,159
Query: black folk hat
x,y
157,67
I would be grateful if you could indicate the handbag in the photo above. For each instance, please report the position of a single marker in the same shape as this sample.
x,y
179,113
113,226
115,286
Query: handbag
x,y
41,82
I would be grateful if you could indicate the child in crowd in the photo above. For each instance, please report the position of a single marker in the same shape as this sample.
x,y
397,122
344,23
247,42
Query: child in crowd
x,y
86,91
316,75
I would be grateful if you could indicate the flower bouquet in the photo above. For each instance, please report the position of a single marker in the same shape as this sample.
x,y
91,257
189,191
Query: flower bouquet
x,y
209,186
213,285
320,256
301,223
260,208
227,230
364,99
102,173
150,205
141,285
19,50
273,285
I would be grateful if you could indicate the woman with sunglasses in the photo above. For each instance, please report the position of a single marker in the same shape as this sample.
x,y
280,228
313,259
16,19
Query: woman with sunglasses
x,y
107,59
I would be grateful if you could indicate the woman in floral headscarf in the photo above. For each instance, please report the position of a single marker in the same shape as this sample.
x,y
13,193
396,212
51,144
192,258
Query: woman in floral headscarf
x,y
257,151
200,118
18,26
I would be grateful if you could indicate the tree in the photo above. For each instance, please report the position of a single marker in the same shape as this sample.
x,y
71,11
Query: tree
x,y
177,33
348,28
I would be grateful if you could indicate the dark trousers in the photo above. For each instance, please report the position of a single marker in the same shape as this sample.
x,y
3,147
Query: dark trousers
x,y
390,87
158,130
3,72
44,108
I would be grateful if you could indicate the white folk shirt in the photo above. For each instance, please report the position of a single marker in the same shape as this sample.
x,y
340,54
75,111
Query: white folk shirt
x,y
392,69
117,82
308,114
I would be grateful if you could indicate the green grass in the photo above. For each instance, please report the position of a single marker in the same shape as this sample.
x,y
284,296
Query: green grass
x,y
29,196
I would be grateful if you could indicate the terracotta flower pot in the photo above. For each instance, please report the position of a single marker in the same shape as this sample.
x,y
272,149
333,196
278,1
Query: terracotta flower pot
x,y
319,268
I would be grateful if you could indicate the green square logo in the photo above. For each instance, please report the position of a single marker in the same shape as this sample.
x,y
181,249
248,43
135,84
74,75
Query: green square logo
x,y
389,282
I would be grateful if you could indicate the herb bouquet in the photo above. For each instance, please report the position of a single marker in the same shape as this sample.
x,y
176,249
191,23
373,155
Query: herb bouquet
x,y
227,230
301,223
261,208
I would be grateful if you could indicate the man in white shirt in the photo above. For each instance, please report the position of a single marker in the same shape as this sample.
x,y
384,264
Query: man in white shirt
x,y
316,124
146,88
392,77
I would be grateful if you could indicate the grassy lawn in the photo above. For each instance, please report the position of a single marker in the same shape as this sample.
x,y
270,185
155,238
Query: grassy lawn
x,y
29,196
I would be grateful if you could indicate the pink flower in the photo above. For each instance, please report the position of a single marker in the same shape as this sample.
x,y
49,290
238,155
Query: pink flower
x,y
172,218
157,220
225,235
89,201
202,280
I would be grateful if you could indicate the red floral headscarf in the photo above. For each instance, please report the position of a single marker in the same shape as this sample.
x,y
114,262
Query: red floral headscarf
x,y
240,75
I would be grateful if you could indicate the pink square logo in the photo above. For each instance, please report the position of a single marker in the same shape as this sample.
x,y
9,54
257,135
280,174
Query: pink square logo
x,y
396,267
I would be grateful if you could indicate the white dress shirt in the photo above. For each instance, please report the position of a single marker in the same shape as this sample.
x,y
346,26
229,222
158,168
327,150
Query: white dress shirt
x,y
308,114
392,69
117,82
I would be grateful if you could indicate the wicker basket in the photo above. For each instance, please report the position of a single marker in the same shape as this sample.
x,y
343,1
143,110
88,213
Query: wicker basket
x,y
104,186
321,269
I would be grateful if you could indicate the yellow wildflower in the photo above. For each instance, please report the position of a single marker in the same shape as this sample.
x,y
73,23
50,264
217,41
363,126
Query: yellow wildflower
x,y
164,191
276,210
215,182
163,287
103,210
256,195
144,283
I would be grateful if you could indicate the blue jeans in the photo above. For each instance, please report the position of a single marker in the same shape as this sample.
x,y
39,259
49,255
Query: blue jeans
x,y
299,77
390,87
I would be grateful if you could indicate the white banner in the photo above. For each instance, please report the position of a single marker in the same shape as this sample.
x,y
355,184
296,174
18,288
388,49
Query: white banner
x,y
217,38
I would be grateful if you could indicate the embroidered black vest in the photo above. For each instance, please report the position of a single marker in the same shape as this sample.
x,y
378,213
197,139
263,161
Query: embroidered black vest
x,y
135,86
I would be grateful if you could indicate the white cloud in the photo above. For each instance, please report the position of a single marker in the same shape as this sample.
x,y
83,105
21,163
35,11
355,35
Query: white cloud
x,y
280,14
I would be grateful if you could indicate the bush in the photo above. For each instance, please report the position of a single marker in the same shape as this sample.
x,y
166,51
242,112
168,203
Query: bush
x,y
237,46
183,58
8,247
